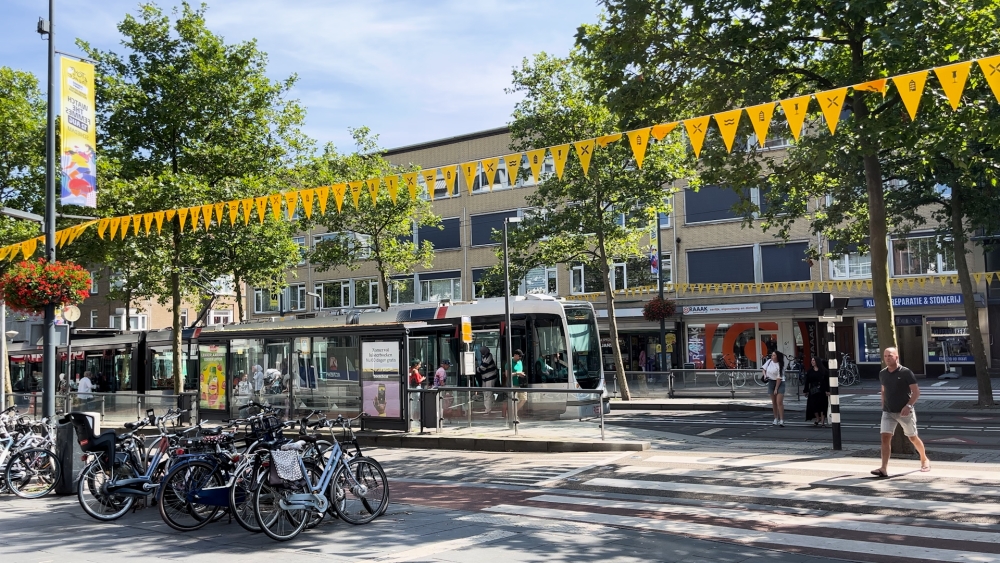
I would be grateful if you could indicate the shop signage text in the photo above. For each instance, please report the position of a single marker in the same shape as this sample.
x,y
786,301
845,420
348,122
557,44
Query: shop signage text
x,y
720,309
920,300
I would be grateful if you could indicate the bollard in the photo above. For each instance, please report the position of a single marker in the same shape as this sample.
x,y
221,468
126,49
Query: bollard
x,y
831,345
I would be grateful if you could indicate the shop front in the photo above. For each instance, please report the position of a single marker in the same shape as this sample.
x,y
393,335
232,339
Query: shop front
x,y
639,342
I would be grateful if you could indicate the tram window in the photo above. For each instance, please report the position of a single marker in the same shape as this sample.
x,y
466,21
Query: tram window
x,y
549,347
585,344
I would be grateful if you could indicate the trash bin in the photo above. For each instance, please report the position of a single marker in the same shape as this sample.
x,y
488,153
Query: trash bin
x,y
185,402
428,409
70,455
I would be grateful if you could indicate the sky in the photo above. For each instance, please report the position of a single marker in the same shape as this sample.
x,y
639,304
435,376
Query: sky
x,y
411,70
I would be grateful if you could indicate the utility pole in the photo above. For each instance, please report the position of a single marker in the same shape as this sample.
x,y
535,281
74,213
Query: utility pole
x,y
47,27
661,357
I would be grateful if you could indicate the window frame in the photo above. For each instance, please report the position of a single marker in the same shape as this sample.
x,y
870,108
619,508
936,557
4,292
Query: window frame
x,y
940,259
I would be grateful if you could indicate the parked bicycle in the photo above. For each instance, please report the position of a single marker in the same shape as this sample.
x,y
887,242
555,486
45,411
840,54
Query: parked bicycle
x,y
27,455
847,375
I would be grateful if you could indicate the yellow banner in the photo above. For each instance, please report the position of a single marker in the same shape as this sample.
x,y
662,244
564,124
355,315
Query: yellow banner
x,y
159,221
760,118
234,212
952,79
339,191
831,103
356,192
638,140
261,204
147,219
469,171
585,150
410,179
449,176
535,160
696,128
275,201
795,112
430,178
323,196
218,212
989,277
911,88
246,205
307,202
513,164
991,68
605,140
877,86
392,183
660,131
373,187
559,155
291,203
170,214
77,134
728,122
490,167
124,225
182,215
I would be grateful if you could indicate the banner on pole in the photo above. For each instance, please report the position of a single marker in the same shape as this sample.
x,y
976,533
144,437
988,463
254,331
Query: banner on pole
x,y
78,138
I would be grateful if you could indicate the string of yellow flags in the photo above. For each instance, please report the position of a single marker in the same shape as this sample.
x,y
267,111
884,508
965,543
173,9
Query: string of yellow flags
x,y
952,79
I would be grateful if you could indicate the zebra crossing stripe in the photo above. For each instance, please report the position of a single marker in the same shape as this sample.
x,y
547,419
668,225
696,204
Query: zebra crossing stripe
x,y
982,471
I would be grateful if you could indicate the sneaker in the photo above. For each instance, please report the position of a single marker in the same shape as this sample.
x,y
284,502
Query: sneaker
x,y
775,423
781,423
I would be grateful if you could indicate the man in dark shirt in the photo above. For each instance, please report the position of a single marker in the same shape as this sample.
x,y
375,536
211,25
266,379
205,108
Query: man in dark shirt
x,y
899,393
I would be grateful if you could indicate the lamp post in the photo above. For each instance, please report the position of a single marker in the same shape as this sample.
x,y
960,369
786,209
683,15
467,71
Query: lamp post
x,y
659,280
506,289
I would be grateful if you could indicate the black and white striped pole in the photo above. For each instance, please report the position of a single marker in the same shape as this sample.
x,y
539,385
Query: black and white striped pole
x,y
831,346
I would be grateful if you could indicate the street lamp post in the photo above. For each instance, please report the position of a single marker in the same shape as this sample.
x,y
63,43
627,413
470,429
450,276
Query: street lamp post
x,y
47,27
506,290
659,280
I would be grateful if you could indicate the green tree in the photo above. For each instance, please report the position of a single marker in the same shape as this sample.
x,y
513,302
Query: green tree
x,y
380,230
596,218
180,113
22,151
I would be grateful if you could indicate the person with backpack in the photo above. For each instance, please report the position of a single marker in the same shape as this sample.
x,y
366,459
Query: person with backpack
x,y
487,371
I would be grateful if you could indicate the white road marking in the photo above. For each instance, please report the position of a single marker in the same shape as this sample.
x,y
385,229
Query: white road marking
x,y
710,432
579,470
986,472
425,551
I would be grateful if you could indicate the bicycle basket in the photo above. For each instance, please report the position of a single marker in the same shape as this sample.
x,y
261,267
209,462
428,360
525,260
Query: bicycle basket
x,y
286,464
264,427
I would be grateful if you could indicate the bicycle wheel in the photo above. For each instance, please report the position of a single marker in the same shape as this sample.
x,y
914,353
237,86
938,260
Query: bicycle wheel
x,y
315,472
721,379
33,473
241,496
385,504
359,491
279,524
92,491
740,378
179,506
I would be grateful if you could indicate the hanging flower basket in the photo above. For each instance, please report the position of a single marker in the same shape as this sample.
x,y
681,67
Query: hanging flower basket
x,y
657,309
31,285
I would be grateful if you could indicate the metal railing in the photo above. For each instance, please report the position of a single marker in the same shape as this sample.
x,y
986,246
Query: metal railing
x,y
114,408
701,383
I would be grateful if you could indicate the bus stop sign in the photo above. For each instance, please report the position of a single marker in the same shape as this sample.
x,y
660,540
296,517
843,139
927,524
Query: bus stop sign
x,y
467,330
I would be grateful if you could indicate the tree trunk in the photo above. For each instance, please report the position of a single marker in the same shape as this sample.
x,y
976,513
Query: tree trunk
x,y
128,310
175,294
383,285
968,301
239,298
613,323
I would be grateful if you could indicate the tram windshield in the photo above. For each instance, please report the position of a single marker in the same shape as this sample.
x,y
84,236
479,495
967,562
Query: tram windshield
x,y
586,346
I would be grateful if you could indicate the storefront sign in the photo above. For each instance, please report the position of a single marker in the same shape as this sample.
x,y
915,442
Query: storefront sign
x,y
212,383
920,300
380,379
722,309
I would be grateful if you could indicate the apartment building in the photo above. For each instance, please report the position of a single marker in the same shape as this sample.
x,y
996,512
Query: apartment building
x,y
725,312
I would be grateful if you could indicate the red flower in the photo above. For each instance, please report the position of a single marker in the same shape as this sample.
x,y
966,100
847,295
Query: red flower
x,y
657,309
31,285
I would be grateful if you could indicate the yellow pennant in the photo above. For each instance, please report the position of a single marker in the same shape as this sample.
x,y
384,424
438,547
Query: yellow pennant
x,y
585,150
246,205
60,238
991,69
206,213
850,285
513,164
978,277
135,224
410,179
102,226
490,167
954,279
392,182
171,213
291,203
4,252
182,215
355,192
323,196
124,225
952,79
373,187
831,103
261,204
469,170
218,212
605,140
275,201
877,86
728,122
989,277
339,191
899,283
559,155
307,202
660,131
911,88
639,140
234,211
943,280
868,285
535,160
449,176
159,221
430,179
922,281
696,128
28,247
795,112
909,282
760,117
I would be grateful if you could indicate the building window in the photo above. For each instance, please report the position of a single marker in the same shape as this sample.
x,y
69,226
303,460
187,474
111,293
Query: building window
x,y
353,242
264,301
850,266
782,263
93,318
366,292
301,241
136,322
438,286
401,291
916,256
539,280
333,294
483,227
447,237
184,318
585,279
948,336
479,288
221,317
93,283
712,203
296,297
722,265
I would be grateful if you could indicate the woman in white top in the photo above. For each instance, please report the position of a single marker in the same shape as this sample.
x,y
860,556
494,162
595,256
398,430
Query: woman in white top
x,y
774,372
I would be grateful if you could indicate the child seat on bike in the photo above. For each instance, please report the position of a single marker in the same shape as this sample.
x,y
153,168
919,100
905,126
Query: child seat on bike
x,y
103,444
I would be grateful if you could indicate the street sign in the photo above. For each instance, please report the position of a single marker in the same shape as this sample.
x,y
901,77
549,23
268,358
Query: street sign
x,y
467,330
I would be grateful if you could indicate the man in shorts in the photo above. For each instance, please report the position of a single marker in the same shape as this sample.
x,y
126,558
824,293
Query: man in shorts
x,y
899,393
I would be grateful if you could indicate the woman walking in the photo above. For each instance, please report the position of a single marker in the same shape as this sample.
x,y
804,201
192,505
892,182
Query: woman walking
x,y
817,391
774,372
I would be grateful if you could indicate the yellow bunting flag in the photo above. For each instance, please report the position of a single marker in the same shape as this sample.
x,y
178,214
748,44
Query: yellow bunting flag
x,y
795,113
307,202
430,179
728,122
102,225
158,216
922,281
135,224
910,282
355,192
989,277
952,79
234,211
410,179
28,247
4,252
513,164
470,171
585,150
392,183
605,140
206,213
660,131
261,204
696,128
639,140
291,203
124,225
373,186
978,277
61,238
218,212
877,86
147,219
323,196
559,155
899,283
182,215
246,205
170,214
911,88
535,160
991,69
760,117
831,103
490,167
339,191
275,201
449,177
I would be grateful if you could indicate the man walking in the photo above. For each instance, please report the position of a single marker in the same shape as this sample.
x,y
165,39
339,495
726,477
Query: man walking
x,y
899,393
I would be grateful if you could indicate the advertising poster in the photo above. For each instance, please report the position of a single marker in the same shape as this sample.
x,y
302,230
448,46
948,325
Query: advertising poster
x,y
380,379
78,138
212,379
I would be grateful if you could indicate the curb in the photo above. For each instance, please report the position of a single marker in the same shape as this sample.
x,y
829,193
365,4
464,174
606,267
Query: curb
x,y
622,406
498,444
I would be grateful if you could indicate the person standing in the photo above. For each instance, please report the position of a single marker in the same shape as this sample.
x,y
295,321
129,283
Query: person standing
x,y
84,389
416,378
899,393
258,381
487,372
774,373
817,392
518,379
441,375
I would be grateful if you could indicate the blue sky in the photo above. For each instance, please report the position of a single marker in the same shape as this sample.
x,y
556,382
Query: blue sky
x,y
411,70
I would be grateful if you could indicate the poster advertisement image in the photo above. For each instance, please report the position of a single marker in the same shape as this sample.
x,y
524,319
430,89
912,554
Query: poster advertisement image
x,y
78,137
212,379
380,379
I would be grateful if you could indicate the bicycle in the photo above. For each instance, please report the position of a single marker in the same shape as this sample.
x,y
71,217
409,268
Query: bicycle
x,y
196,489
31,469
847,375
